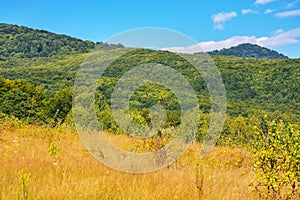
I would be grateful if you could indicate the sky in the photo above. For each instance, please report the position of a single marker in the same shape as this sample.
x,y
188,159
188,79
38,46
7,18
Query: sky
x,y
213,24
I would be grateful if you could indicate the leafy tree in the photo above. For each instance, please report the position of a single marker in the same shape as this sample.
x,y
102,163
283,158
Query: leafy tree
x,y
21,99
60,105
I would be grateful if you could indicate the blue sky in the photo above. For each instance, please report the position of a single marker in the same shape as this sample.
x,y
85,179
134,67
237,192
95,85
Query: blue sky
x,y
214,24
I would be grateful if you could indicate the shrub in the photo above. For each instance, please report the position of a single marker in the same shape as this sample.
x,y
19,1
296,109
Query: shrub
x,y
277,161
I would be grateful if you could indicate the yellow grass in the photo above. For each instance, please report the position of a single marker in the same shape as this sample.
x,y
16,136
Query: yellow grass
x,y
74,174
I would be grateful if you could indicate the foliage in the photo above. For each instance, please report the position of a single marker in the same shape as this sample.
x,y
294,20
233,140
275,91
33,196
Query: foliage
x,y
105,46
277,161
21,99
9,122
260,84
53,150
59,106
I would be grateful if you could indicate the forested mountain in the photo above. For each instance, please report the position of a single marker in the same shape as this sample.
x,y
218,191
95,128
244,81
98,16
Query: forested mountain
x,y
22,42
248,50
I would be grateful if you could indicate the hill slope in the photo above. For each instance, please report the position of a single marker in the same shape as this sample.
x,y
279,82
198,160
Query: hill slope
x,y
22,42
248,50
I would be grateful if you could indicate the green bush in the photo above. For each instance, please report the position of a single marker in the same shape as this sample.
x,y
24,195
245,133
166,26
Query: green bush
x,y
277,161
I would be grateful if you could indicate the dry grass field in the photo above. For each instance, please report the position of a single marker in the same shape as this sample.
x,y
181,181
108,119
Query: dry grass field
x,y
51,163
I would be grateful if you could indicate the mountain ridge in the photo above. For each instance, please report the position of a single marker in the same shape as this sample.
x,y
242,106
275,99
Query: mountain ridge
x,y
248,50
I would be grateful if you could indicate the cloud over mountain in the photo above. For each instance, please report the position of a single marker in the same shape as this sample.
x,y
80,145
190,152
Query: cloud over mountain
x,y
281,38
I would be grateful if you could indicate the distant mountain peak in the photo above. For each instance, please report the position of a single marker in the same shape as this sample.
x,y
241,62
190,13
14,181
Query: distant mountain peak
x,y
247,50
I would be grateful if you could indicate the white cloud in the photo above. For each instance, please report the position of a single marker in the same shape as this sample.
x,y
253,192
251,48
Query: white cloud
x,y
220,18
293,4
282,38
248,11
268,11
263,1
219,26
291,13
223,16
290,5
278,31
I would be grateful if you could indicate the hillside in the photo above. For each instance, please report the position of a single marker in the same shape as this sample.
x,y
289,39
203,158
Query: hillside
x,y
22,42
248,50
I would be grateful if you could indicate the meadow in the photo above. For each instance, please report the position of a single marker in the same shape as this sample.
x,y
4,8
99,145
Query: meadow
x,y
38,162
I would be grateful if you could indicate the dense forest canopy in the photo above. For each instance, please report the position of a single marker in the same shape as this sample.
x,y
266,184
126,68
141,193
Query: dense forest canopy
x,y
250,83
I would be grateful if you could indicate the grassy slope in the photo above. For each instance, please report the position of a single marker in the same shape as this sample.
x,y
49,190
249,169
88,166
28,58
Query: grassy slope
x,y
74,174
